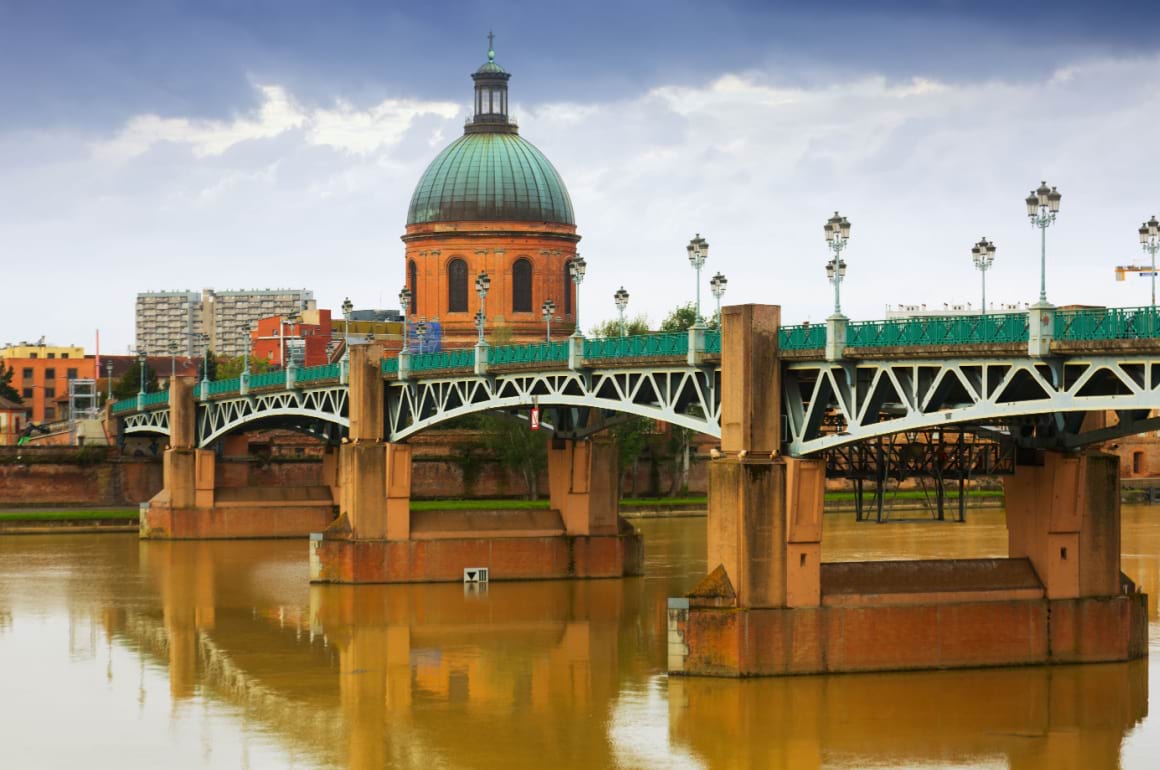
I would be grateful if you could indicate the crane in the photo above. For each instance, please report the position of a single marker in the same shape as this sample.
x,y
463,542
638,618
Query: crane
x,y
1123,270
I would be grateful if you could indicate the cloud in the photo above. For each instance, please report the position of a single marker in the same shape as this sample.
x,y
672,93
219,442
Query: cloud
x,y
342,127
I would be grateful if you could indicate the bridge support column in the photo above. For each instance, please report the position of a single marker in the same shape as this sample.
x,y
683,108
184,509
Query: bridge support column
x,y
378,539
769,607
199,500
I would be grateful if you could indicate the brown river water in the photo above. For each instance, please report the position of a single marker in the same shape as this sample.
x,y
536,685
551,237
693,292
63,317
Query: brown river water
x,y
121,654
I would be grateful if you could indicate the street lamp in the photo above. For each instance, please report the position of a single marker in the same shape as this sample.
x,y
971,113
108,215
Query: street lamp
x,y
546,310
204,361
482,284
717,286
347,307
141,358
698,249
1042,206
621,298
983,255
1150,242
172,361
837,230
109,380
244,330
577,267
405,304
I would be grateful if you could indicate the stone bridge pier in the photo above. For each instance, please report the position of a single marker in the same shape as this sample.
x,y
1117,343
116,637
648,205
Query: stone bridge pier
x,y
205,499
771,606
377,538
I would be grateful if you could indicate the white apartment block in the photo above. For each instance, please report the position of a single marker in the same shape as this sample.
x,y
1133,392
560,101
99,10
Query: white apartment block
x,y
226,317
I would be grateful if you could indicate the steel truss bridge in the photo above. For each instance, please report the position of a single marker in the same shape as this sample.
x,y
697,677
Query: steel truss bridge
x,y
891,377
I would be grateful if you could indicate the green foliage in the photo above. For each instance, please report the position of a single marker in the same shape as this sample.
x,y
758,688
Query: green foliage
x,y
682,317
6,389
611,327
517,447
632,438
228,368
130,383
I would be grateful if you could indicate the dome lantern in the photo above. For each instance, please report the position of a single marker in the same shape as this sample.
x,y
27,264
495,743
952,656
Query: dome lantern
x,y
491,96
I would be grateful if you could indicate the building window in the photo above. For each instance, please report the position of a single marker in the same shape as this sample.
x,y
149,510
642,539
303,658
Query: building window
x,y
522,286
49,393
64,355
1138,463
26,373
72,374
567,288
26,393
457,286
50,374
52,355
50,413
413,282
34,355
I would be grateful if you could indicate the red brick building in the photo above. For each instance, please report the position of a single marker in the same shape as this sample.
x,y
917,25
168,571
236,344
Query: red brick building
x,y
274,337
490,202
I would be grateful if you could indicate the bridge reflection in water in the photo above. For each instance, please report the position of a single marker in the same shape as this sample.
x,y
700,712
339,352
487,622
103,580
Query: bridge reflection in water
x,y
561,674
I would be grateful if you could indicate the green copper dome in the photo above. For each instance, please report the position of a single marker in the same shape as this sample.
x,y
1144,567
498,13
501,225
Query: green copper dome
x,y
491,175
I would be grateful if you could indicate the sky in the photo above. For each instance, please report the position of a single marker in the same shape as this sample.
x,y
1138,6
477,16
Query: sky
x,y
161,145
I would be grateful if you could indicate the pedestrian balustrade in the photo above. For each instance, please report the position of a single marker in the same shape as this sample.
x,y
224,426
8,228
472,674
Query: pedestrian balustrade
x,y
638,346
941,330
271,379
222,387
536,353
1092,324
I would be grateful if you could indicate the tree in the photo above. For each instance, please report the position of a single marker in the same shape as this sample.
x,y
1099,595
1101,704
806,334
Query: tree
x,y
517,447
228,368
632,438
6,390
611,327
682,318
130,383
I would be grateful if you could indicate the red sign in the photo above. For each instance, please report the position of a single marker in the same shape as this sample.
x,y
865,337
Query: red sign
x,y
535,418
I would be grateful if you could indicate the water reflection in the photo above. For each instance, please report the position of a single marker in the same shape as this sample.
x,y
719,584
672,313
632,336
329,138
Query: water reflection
x,y
229,638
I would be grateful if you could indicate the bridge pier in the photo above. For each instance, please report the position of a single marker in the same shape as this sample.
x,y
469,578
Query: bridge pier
x,y
379,539
770,606
194,505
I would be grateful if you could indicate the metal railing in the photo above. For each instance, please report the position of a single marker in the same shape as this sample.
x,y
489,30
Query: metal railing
x,y
389,366
803,337
713,341
318,373
463,358
272,379
222,387
535,353
155,398
941,330
127,405
638,346
1124,323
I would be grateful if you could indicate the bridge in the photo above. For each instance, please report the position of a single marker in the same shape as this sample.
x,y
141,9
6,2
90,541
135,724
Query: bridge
x,y
888,377
778,398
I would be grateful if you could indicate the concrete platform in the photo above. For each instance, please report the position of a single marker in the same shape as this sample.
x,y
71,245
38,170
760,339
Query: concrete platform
x,y
880,616
516,551
241,513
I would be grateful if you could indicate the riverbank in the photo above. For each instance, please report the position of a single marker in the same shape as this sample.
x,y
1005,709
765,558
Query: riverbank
x,y
41,521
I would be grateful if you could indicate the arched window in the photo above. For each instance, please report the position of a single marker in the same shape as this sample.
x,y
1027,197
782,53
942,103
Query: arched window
x,y
457,286
568,287
413,285
522,286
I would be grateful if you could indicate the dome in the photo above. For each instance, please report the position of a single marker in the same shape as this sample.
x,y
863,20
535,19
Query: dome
x,y
490,175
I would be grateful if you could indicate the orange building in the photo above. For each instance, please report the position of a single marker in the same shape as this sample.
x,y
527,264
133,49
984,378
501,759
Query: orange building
x,y
273,338
40,381
491,202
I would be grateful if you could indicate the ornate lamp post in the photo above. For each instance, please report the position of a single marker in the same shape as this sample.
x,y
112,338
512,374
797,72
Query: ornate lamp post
x,y
577,267
546,310
837,238
482,284
621,299
1150,242
172,361
109,380
405,304
141,360
983,255
1042,206
347,308
717,285
698,250
244,330
204,362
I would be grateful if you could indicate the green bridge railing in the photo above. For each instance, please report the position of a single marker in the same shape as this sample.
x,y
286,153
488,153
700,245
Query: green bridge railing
x,y
271,379
942,330
638,346
318,373
222,387
1124,323
535,353
803,337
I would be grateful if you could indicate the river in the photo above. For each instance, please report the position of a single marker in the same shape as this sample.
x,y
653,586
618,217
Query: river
x,y
118,653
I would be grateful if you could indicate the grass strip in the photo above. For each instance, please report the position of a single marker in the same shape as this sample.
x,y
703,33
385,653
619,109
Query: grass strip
x,y
84,515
